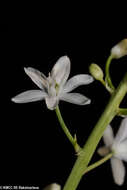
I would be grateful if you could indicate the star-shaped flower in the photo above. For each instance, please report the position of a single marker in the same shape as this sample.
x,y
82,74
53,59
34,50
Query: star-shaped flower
x,y
55,87
118,146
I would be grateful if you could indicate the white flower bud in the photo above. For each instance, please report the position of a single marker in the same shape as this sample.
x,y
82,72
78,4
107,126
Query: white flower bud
x,y
103,151
119,50
96,72
52,186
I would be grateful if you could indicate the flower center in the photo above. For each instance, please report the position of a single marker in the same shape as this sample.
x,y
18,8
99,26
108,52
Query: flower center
x,y
53,88
57,88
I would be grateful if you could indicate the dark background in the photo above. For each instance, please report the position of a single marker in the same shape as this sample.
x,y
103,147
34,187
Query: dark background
x,y
33,148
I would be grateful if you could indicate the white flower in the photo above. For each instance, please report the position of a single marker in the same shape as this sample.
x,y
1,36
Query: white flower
x,y
118,146
55,87
53,186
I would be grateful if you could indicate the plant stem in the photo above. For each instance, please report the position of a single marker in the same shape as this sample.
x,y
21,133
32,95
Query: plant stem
x,y
103,82
108,78
122,112
98,163
66,131
94,138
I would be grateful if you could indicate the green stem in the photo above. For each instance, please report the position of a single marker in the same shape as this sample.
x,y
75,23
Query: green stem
x,y
66,131
122,111
94,138
108,78
98,163
103,82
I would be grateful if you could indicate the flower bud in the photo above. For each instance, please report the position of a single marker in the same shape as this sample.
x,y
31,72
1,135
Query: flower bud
x,y
119,50
103,151
96,72
53,186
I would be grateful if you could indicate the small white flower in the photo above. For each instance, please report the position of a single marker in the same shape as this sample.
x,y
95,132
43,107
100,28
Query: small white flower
x,y
118,146
55,87
52,186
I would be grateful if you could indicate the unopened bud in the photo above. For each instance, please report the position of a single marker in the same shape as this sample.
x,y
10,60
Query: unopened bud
x,y
103,151
96,72
53,186
119,50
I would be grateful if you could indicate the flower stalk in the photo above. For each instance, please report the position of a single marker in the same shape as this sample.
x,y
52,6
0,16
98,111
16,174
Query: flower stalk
x,y
89,148
122,112
110,86
72,140
98,163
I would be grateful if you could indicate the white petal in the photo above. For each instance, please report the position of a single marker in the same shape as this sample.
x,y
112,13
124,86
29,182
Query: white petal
x,y
108,136
37,77
53,186
120,150
122,132
29,96
51,102
118,170
75,98
76,81
61,70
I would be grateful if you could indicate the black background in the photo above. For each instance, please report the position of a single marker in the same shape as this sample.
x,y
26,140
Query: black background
x,y
33,148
